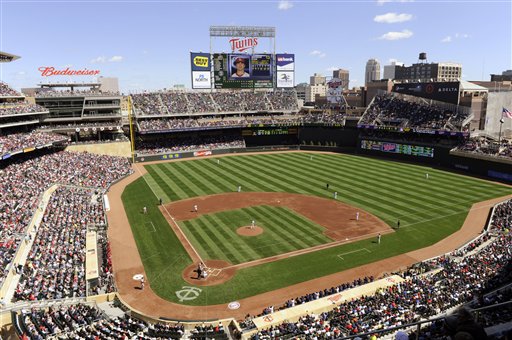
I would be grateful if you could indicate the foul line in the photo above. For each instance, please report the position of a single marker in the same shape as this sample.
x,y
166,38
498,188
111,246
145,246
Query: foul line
x,y
172,219
183,234
351,252
152,225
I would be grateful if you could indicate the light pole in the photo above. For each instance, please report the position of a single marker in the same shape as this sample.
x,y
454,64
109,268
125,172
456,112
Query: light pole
x,y
499,135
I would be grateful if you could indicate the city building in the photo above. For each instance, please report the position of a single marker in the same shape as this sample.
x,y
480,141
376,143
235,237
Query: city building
x,y
422,72
317,79
343,75
504,76
109,84
372,71
389,70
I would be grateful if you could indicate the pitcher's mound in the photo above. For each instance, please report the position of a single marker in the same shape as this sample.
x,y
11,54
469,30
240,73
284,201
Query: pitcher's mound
x,y
247,231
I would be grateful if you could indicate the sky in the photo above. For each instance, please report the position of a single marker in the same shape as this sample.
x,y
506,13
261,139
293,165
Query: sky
x,y
146,44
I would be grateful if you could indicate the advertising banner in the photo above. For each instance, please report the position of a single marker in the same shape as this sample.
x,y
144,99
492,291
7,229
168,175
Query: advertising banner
x,y
201,80
202,153
447,92
285,62
334,91
285,79
405,149
200,61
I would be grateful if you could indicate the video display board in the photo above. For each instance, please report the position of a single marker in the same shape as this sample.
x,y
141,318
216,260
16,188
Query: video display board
x,y
405,149
243,71
447,92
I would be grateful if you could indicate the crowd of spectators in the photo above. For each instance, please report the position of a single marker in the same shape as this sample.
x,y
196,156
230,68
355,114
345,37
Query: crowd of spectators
x,y
169,124
20,108
88,322
175,103
7,91
189,144
460,280
55,266
487,146
19,141
23,182
393,110
74,93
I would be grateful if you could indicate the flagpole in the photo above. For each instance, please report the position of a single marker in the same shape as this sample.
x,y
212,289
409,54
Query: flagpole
x,y
499,135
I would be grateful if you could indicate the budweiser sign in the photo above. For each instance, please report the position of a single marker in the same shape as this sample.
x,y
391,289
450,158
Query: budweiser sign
x,y
48,71
241,45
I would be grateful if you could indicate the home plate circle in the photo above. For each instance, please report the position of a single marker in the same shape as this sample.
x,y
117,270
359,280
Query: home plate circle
x,y
234,305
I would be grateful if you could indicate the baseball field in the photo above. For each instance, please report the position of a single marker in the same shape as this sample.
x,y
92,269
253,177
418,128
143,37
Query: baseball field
x,y
301,231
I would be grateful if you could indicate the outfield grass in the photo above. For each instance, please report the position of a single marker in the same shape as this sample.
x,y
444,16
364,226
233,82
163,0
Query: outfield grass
x,y
214,235
429,210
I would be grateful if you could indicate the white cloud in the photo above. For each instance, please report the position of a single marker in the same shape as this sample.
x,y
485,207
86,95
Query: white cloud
x,y
462,35
382,2
99,60
405,34
284,5
447,39
318,53
116,59
391,18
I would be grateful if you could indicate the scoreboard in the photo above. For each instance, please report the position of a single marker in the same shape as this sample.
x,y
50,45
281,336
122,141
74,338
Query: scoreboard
x,y
404,149
258,71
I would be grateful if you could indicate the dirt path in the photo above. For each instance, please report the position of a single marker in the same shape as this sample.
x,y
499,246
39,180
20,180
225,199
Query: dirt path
x,y
127,262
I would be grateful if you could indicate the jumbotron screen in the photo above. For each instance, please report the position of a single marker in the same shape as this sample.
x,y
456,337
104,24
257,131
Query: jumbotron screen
x,y
243,71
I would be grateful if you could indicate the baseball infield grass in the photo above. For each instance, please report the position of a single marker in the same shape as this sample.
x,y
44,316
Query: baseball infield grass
x,y
429,210
214,236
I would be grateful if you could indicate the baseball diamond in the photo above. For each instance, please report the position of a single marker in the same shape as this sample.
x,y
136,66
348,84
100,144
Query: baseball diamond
x,y
382,191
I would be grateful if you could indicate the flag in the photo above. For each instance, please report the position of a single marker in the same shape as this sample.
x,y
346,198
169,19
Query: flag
x,y
506,113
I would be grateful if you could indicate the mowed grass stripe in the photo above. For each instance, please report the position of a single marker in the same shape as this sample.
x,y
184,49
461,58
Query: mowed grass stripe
x,y
220,231
343,189
157,188
168,176
197,239
237,242
448,180
222,172
164,182
222,252
384,206
184,173
217,182
304,230
394,190
438,202
272,182
275,226
172,172
248,182
199,179
278,176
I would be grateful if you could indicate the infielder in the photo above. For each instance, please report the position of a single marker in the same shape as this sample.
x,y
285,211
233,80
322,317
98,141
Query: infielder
x,y
253,224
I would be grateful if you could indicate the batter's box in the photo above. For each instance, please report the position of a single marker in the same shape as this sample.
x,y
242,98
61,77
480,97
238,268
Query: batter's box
x,y
213,271
351,252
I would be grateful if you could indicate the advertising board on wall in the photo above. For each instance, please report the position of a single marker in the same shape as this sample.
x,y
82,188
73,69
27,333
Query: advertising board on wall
x,y
405,149
200,65
447,92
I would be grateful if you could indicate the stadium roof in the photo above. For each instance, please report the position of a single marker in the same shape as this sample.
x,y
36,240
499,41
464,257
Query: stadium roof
x,y
7,57
467,86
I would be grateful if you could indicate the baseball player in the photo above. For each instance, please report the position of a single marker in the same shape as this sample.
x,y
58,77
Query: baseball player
x,y
253,224
145,210
335,195
195,207
357,216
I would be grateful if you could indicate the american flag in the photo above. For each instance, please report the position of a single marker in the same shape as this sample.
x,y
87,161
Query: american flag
x,y
506,113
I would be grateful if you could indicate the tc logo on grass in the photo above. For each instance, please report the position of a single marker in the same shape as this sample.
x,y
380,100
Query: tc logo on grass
x,y
188,293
